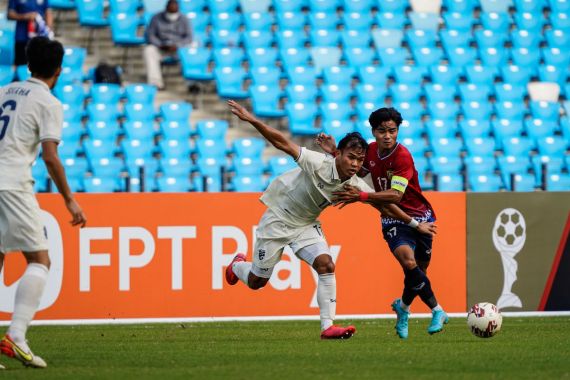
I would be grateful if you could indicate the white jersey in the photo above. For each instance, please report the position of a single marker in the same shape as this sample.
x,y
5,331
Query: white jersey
x,y
300,195
29,114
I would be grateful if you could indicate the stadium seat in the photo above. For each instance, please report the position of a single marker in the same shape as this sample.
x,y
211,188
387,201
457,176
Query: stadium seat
x,y
475,109
101,184
327,6
265,101
220,6
557,38
417,147
498,6
375,75
75,167
524,182
516,74
480,146
444,75
194,62
462,6
387,38
449,183
451,39
438,128
64,5
178,184
211,148
212,129
71,93
293,57
458,21
124,29
91,13
539,128
253,39
176,167
413,128
338,128
486,38
258,21
96,149
450,165
357,21
176,111
302,75
72,131
359,57
555,56
175,148
248,184
139,130
324,38
248,166
207,184
107,167
517,146
500,22
187,6
294,21
339,75
102,111
551,73
545,110
370,93
418,38
140,93
471,92
424,21
148,166
481,75
302,118
211,167
248,147
301,93
485,183
358,6
175,130
507,92
533,22
336,93
104,130
512,165
411,109
522,38
493,57
139,112
476,165
552,164
137,149
257,6
335,111
559,21
558,182
351,38
325,57
279,164
7,73
107,93
471,128
265,75
436,92
525,57
446,147
510,110
405,92
427,56
529,5
462,56
228,57
392,57
443,110
554,146
227,21
363,127
230,82
504,128
261,56
323,21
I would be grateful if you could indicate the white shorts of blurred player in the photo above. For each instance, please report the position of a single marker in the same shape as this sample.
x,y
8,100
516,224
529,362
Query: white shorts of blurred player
x,y
21,227
273,235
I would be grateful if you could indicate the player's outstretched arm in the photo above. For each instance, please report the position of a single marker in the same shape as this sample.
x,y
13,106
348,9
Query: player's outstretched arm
x,y
327,143
352,194
275,137
57,173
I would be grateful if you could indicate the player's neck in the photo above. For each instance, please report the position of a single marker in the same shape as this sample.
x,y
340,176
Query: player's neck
x,y
50,82
386,152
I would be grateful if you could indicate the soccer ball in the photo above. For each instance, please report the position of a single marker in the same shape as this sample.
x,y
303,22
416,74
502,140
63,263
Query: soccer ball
x,y
484,320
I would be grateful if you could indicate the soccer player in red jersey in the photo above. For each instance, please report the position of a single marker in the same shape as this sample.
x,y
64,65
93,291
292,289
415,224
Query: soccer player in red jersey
x,y
396,181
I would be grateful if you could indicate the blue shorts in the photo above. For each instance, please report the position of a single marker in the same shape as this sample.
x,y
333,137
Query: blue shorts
x,y
398,234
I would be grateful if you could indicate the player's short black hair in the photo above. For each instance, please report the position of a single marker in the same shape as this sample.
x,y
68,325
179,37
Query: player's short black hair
x,y
352,140
44,56
383,115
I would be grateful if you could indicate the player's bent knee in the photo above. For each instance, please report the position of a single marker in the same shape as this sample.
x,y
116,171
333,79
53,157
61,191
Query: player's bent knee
x,y
254,282
324,264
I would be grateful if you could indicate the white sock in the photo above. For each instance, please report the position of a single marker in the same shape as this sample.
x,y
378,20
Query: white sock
x,y
326,298
404,306
437,308
28,296
241,270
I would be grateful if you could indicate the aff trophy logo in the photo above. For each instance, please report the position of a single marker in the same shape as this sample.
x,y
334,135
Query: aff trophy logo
x,y
509,236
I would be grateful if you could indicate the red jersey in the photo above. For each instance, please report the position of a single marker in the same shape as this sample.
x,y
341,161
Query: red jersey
x,y
401,164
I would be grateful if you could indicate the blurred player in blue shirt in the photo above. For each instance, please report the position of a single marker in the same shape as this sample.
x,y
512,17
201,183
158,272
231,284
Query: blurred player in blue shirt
x,y
33,18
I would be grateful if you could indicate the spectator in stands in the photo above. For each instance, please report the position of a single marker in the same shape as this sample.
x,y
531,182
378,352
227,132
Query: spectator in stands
x,y
33,18
168,31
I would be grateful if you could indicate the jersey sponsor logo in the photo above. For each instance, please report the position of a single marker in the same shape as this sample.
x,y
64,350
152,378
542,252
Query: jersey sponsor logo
x,y
320,185
389,174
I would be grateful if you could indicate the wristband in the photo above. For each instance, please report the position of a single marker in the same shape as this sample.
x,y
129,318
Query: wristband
x,y
414,223
363,196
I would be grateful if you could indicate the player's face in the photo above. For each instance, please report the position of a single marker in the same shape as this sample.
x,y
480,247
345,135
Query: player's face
x,y
386,135
350,162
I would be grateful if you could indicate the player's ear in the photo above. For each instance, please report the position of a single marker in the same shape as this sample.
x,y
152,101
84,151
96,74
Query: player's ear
x,y
58,72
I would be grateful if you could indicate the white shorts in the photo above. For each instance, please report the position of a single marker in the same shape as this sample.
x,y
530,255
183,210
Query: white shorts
x,y
272,236
21,227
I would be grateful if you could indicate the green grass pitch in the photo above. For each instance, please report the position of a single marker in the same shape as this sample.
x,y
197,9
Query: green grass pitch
x,y
531,348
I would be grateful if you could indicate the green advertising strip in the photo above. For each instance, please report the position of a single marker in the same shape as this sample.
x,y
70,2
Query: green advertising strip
x,y
513,241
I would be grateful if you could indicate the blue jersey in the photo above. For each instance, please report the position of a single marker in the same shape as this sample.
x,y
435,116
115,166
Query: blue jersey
x,y
26,6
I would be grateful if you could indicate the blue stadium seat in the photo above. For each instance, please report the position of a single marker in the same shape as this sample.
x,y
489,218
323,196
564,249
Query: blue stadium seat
x,y
522,38
496,21
140,93
102,111
405,92
443,110
248,184
366,92
178,184
462,56
199,20
486,38
375,75
176,111
417,147
446,147
101,184
150,167
471,92
301,93
187,6
212,129
359,57
175,129
497,6
72,131
72,113
475,109
554,146
529,5
339,75
335,111
327,6
517,146
107,167
516,74
551,73
302,75
351,38
357,21
512,165
124,29
262,56
411,109
493,57
72,94
555,56
389,20
449,183
394,6
539,128
211,166
481,75
96,149
413,128
139,130
107,93
471,128
438,128
424,21
427,56
64,5
323,21
139,112
324,37
418,38
533,22
175,148
359,6
393,57
442,165
293,21
195,63
279,164
557,38
545,110
558,182
302,118
230,82
387,38
559,6
250,166
336,93
212,184
553,164
461,6
461,22
7,73
107,131
503,128
338,128
480,146
525,57
451,39
219,6
91,13
480,165
75,167
523,182
175,167
510,110
265,100
253,39
227,21
436,92
211,148
267,75
259,21
445,75
228,57
485,183
138,149
258,6
293,57
363,127
325,57
509,92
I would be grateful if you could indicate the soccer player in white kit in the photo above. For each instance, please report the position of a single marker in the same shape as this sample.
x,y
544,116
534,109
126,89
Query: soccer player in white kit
x,y
294,201
29,116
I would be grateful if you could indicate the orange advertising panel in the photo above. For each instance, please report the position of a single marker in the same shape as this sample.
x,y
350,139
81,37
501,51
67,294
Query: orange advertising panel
x,y
164,255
